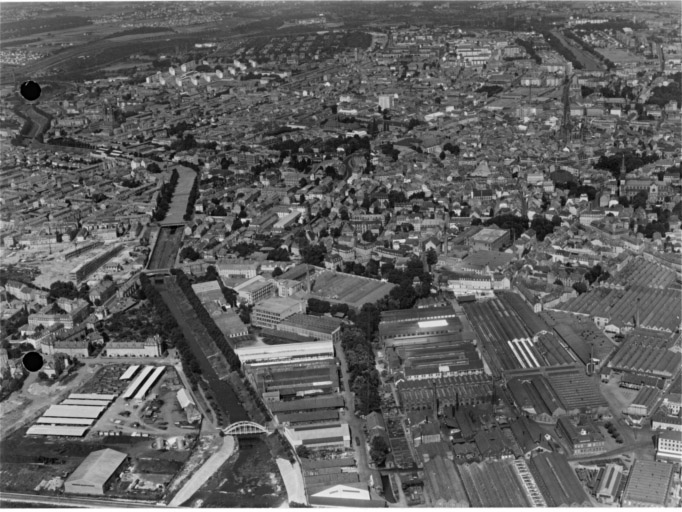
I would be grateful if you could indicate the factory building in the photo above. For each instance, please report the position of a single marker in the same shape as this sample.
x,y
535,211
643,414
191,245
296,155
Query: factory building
x,y
94,474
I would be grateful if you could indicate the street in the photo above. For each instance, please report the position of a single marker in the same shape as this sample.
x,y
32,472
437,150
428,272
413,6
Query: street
x,y
72,501
354,423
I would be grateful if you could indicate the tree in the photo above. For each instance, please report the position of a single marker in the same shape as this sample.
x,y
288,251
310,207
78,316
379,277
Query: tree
x,y
189,253
314,254
303,451
640,199
60,289
343,213
279,254
277,272
476,221
431,257
369,237
379,450
580,287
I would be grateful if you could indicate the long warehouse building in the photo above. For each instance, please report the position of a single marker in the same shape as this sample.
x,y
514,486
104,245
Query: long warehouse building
x,y
91,396
73,411
135,385
83,422
150,382
62,431
130,372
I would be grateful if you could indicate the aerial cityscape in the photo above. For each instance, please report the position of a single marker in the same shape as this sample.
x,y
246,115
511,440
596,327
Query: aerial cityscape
x,y
346,254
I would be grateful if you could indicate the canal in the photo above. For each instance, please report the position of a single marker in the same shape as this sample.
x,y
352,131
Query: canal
x,y
251,480
192,329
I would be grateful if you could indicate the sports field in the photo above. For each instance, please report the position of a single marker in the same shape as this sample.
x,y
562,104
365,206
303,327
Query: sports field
x,y
345,288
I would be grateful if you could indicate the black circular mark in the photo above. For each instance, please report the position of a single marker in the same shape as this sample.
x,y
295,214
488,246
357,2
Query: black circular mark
x,y
33,361
30,90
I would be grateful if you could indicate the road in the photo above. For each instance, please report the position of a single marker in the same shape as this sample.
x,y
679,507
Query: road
x,y
69,501
206,471
354,423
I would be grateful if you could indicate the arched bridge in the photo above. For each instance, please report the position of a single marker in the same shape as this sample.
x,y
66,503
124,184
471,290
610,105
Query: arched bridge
x,y
245,428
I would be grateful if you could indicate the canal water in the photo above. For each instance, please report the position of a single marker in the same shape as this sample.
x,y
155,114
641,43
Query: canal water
x,y
252,480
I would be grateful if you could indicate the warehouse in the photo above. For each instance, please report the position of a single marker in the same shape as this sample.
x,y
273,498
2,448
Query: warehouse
x,y
135,385
465,390
443,486
74,411
412,328
441,360
56,430
82,422
96,403
557,481
307,418
648,485
417,315
317,327
649,353
91,396
645,402
514,336
297,379
288,353
153,378
493,484
95,472
320,436
130,372
334,402
621,310
609,485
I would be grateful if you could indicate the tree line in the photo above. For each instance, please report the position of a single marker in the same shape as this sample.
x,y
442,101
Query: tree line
x,y
193,195
164,198
205,318
170,330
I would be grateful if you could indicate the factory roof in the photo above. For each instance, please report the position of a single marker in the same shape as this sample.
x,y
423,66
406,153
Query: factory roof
x,y
56,430
658,309
306,404
558,481
409,315
74,411
489,235
442,482
322,324
277,305
97,468
648,483
493,484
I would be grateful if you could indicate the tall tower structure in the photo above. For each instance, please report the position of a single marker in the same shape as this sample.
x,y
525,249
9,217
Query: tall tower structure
x,y
621,177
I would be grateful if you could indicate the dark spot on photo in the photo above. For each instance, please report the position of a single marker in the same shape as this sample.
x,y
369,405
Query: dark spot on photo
x,y
30,90
33,361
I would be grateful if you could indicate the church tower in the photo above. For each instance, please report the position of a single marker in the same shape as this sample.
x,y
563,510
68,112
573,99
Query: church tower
x,y
621,178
